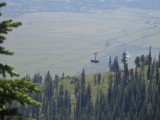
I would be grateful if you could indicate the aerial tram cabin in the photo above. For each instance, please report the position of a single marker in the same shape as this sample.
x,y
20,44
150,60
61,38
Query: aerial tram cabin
x,y
95,59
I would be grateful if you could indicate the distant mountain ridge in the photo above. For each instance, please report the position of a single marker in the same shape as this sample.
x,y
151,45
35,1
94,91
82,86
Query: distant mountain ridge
x,y
19,7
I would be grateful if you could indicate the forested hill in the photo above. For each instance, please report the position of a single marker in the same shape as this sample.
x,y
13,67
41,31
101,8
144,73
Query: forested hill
x,y
121,94
19,7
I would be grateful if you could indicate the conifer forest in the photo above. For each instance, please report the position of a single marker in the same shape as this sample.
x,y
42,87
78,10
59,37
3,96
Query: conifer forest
x,y
121,93
131,94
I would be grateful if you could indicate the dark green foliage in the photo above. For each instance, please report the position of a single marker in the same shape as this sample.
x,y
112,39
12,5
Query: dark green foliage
x,y
110,88
33,111
56,80
63,76
5,27
84,106
157,77
48,97
129,96
117,73
137,61
48,86
83,89
142,61
99,78
153,66
149,72
95,79
77,87
150,56
88,92
116,64
110,64
13,93
124,58
149,65
56,103
38,97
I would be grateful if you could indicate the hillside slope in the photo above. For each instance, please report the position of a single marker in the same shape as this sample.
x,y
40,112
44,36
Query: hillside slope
x,y
120,94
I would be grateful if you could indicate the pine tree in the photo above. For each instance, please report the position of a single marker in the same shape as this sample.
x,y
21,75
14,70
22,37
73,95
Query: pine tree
x,y
88,92
109,94
149,65
60,97
153,66
48,97
12,91
76,88
150,57
36,110
142,61
157,73
83,90
99,78
124,58
5,27
95,79
63,76
137,61
56,80
149,72
116,64
110,63
116,72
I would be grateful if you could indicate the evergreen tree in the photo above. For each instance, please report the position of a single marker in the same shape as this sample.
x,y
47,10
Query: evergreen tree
x,y
153,66
110,63
5,27
149,65
89,92
125,75
67,105
137,61
35,111
63,76
60,98
150,57
76,88
56,80
83,90
157,73
149,72
116,64
129,96
48,97
124,58
95,79
142,61
12,91
116,72
99,78
109,94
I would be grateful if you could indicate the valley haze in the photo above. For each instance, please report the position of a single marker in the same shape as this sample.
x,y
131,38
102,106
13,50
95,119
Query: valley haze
x,y
61,36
